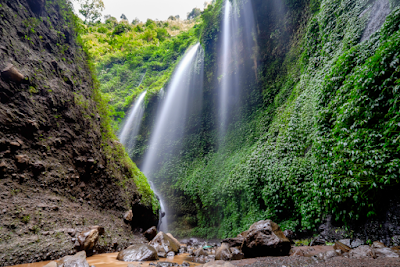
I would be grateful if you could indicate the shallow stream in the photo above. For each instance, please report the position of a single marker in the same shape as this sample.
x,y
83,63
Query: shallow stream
x,y
110,260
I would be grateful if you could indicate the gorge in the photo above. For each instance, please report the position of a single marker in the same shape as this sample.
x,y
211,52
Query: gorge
x,y
252,111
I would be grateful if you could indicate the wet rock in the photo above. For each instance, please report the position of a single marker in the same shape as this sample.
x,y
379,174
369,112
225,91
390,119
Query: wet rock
x,y
150,233
223,252
138,252
37,6
200,252
364,251
10,73
170,254
87,240
234,242
218,263
77,260
342,247
51,264
183,249
128,216
236,254
161,252
310,251
377,244
164,241
384,252
265,238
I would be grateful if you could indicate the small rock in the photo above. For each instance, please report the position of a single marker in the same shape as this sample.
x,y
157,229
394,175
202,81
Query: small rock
x,y
310,251
15,144
200,252
378,244
356,243
77,260
218,263
138,252
170,254
385,253
150,233
346,242
289,234
11,73
22,159
364,251
223,253
326,255
236,254
341,246
100,229
88,239
128,216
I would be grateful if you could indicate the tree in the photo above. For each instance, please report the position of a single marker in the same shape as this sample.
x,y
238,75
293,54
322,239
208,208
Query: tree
x,y
91,10
194,13
136,21
123,17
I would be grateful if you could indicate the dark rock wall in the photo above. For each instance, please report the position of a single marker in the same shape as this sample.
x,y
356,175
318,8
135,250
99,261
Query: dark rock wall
x,y
52,136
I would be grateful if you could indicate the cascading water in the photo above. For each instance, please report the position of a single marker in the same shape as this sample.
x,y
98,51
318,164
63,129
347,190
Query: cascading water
x,y
182,96
131,127
238,52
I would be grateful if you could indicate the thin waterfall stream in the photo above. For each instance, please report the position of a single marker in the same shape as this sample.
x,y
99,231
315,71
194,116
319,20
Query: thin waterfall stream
x,y
176,106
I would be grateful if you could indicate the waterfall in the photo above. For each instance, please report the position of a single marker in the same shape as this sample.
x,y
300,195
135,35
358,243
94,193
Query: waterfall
x,y
131,126
238,52
379,11
182,96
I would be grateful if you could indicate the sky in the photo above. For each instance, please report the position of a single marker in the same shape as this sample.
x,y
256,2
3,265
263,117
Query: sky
x,y
153,9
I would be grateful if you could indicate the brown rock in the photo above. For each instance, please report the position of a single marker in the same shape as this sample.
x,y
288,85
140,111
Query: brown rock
x,y
128,216
341,246
378,244
234,242
22,159
15,144
150,233
11,73
223,252
200,252
164,241
236,254
98,228
77,260
265,238
138,252
88,239
174,239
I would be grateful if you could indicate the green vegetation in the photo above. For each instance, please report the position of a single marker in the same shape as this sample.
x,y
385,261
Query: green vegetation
x,y
131,58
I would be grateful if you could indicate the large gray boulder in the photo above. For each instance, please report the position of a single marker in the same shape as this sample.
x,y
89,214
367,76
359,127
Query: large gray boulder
x,y
77,260
162,240
138,252
265,238
223,252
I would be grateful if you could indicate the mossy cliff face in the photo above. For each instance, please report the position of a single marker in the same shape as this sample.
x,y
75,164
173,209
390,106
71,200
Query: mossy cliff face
x,y
56,144
317,133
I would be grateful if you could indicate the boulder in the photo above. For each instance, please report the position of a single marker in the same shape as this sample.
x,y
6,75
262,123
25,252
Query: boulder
x,y
289,234
150,233
218,263
385,253
234,242
346,242
265,238
161,240
223,252
200,252
327,255
128,216
174,239
236,254
77,260
377,244
10,73
161,252
138,252
356,243
87,240
364,251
